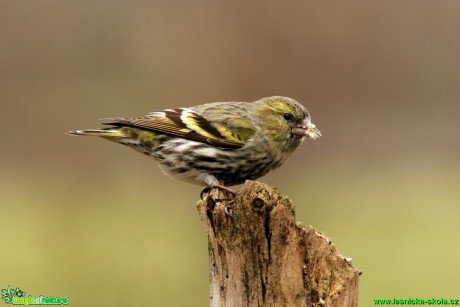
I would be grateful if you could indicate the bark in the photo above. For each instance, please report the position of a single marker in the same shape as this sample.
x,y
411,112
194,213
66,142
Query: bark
x,y
259,255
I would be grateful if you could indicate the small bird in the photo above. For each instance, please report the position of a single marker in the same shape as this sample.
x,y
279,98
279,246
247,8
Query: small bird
x,y
217,144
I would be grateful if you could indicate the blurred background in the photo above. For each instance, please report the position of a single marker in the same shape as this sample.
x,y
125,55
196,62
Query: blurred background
x,y
99,223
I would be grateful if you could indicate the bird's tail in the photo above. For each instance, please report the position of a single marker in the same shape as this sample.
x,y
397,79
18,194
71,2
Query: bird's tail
x,y
108,132
143,141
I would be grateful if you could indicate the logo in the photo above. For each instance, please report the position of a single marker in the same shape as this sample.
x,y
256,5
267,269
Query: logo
x,y
18,297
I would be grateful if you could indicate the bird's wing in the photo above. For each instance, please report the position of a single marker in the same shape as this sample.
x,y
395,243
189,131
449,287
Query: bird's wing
x,y
186,124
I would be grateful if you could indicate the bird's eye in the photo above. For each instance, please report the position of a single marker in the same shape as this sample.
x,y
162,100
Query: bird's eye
x,y
288,116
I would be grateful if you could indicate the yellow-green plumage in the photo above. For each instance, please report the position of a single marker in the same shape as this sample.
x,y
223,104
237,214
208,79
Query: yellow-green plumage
x,y
223,141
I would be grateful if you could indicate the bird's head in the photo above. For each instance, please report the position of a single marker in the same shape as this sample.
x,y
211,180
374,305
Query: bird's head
x,y
285,120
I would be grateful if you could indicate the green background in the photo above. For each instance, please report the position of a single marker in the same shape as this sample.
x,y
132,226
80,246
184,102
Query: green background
x,y
99,223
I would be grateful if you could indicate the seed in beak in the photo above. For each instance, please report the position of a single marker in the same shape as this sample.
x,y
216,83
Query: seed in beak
x,y
313,132
310,131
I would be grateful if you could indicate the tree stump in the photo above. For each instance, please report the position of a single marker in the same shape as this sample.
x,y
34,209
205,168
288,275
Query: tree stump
x,y
259,255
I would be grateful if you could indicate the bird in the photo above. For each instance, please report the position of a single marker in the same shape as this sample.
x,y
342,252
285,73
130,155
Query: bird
x,y
217,144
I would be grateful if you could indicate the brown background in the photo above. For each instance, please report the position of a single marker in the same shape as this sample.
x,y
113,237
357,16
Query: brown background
x,y
97,222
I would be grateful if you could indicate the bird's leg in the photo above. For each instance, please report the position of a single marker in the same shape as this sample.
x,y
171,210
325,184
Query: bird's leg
x,y
212,182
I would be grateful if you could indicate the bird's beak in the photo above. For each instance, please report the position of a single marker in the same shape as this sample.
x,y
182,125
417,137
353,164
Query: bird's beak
x,y
309,130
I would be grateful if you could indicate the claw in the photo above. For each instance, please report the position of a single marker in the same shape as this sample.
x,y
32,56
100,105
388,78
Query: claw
x,y
204,191
228,206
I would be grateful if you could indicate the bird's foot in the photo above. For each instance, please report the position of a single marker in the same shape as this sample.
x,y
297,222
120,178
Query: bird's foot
x,y
229,202
207,190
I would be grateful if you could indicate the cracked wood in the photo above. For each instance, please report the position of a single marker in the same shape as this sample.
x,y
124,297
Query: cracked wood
x,y
259,256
